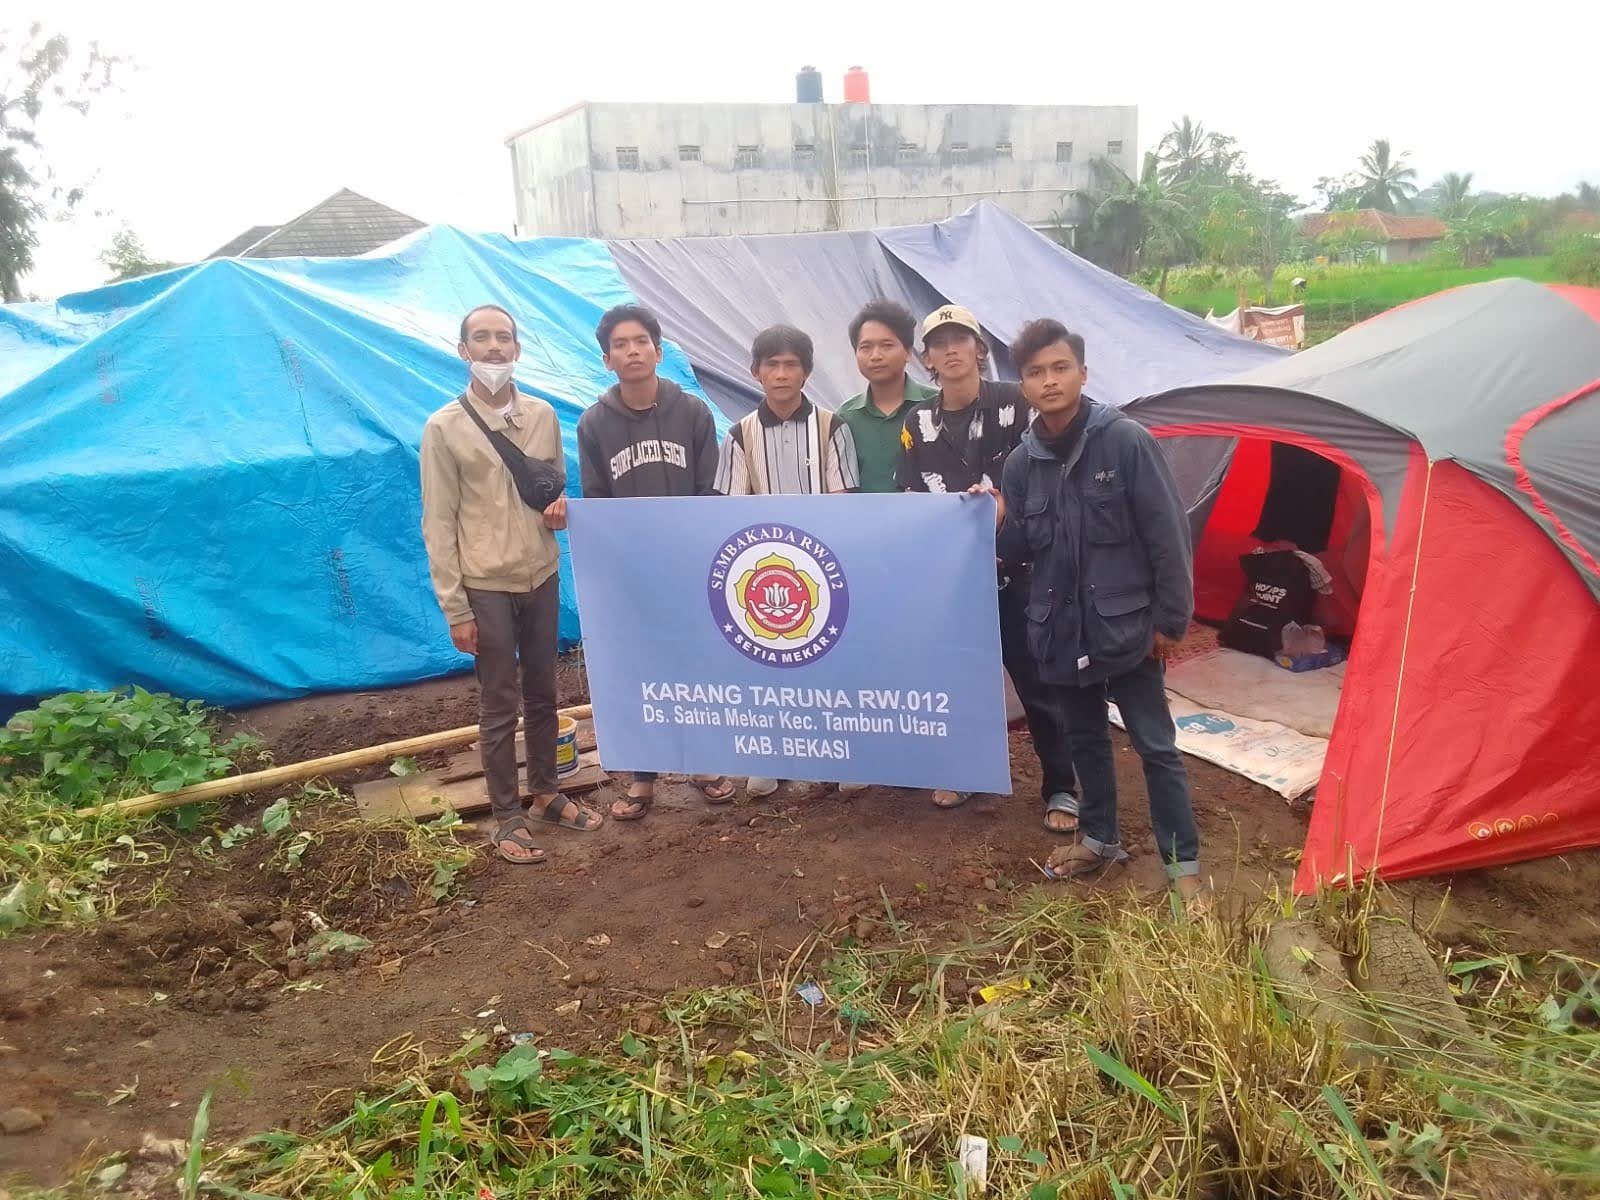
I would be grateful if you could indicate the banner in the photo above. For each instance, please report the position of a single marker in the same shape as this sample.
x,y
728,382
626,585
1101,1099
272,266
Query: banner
x,y
847,639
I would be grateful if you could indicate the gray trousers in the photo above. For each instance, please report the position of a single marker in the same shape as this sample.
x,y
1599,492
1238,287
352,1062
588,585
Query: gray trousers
x,y
517,637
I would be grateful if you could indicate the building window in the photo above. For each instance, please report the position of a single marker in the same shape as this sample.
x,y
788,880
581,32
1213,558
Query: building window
x,y
747,158
1002,149
958,152
1063,152
859,155
1114,147
804,152
688,153
627,158
908,150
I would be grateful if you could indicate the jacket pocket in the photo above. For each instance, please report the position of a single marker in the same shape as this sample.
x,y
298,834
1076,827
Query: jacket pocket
x,y
1121,626
1105,517
1041,632
1036,524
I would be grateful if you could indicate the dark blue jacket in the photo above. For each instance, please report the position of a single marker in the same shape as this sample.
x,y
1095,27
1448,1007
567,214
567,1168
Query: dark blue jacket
x,y
1108,539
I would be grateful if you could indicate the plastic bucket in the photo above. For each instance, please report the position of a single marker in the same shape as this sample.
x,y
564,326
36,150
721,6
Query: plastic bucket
x,y
566,746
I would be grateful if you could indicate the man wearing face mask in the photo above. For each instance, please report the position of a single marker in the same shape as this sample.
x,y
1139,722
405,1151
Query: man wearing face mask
x,y
493,560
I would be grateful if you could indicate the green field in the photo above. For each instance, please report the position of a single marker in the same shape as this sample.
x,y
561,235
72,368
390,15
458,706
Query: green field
x,y
1338,296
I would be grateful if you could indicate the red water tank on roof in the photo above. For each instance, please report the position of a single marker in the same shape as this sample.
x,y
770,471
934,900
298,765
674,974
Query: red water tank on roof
x,y
856,89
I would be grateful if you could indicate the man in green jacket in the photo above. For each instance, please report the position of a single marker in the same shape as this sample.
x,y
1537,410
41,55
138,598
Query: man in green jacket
x,y
883,334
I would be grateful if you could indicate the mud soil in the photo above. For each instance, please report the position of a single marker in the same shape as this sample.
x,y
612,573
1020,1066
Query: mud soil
x,y
214,988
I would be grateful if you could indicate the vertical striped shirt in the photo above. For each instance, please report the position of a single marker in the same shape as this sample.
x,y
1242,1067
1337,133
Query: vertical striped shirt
x,y
771,456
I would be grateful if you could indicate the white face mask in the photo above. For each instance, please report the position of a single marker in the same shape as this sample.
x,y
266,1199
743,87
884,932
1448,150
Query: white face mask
x,y
493,376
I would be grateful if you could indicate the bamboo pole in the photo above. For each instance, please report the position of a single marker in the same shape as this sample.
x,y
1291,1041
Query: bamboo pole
x,y
233,785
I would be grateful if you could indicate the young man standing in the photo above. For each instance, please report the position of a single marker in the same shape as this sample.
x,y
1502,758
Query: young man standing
x,y
788,446
883,334
645,436
493,561
1088,500
958,441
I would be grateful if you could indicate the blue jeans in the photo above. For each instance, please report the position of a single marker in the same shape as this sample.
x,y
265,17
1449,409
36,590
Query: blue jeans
x,y
1142,699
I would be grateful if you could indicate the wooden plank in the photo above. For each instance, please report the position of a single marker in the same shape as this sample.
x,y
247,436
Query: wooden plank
x,y
469,762
425,795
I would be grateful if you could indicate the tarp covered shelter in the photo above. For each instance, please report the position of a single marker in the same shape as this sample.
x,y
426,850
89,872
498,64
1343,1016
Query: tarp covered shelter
x,y
726,289
1465,429
208,477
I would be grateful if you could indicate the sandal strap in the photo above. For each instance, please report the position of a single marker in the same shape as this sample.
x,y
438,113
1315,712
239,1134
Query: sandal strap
x,y
517,833
555,812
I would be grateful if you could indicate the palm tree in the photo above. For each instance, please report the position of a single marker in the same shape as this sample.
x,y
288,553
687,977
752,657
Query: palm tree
x,y
1184,150
1138,222
1455,194
1383,180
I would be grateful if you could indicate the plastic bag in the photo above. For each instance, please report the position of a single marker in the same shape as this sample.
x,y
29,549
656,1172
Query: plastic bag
x,y
1300,641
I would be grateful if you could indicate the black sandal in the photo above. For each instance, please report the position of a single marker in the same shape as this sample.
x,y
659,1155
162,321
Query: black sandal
x,y
516,832
716,783
569,815
640,805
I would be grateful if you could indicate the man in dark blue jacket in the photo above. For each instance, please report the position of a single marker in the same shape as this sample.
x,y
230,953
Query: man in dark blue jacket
x,y
1088,500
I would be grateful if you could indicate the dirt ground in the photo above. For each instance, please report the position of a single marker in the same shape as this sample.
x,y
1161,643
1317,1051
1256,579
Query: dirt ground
x,y
117,1030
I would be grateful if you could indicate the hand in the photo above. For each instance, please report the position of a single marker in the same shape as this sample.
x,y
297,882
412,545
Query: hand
x,y
555,517
464,637
1164,648
979,489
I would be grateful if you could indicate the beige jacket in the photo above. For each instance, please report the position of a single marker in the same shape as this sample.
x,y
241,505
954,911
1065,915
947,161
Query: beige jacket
x,y
478,531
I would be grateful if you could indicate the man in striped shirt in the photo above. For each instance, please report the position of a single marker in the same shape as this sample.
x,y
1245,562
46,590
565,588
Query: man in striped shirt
x,y
788,446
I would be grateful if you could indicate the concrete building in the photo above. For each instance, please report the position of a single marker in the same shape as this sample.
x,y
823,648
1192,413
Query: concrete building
x,y
670,170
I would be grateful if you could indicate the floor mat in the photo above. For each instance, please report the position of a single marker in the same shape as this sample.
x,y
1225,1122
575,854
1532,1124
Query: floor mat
x,y
1246,685
1273,755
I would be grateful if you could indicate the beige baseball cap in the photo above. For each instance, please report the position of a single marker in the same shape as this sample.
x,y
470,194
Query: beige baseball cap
x,y
950,314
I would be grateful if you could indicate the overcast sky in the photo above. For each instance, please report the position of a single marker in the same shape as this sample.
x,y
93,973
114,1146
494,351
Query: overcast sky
x,y
249,114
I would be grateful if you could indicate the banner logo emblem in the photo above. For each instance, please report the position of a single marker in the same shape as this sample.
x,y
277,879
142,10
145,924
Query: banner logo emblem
x,y
778,595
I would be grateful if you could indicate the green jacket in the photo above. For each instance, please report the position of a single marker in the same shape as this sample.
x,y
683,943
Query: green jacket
x,y
877,436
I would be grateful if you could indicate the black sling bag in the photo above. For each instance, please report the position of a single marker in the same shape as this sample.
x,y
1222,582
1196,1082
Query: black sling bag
x,y
538,483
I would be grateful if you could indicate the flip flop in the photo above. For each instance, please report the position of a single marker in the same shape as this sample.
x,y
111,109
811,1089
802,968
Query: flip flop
x,y
640,805
707,785
956,799
1061,802
572,816
518,833
1082,862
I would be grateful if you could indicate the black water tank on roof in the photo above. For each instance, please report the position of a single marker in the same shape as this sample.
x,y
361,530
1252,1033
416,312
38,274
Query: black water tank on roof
x,y
808,86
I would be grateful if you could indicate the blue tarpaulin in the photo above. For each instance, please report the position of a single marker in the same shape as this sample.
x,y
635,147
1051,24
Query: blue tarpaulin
x,y
208,477
208,484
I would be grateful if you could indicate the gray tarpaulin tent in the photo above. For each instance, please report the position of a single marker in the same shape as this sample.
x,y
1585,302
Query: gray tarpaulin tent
x,y
714,294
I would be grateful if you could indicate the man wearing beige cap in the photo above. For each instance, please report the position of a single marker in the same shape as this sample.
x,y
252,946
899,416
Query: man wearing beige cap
x,y
959,440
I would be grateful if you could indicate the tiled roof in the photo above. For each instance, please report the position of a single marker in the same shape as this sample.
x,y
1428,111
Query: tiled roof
x,y
342,226
1385,227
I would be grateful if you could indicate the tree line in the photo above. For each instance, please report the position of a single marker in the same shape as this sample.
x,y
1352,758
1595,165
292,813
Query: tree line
x,y
1196,202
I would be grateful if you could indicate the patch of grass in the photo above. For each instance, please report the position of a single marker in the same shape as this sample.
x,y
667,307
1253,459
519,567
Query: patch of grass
x,y
1151,1058
57,867
1339,295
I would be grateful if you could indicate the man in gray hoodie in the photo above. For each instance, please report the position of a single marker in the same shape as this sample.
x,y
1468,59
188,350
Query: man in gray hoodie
x,y
1088,500
645,436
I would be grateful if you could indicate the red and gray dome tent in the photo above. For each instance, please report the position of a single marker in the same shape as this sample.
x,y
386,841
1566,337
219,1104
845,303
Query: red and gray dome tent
x,y
1466,430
